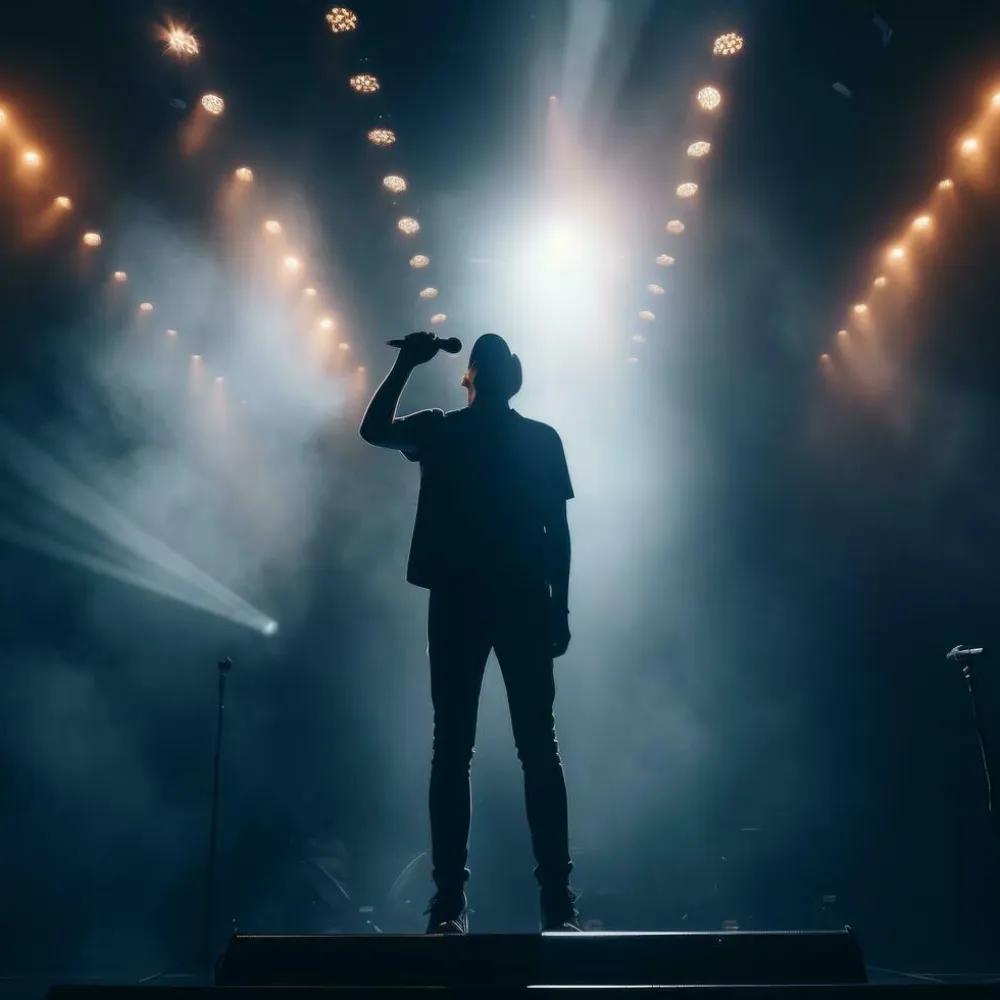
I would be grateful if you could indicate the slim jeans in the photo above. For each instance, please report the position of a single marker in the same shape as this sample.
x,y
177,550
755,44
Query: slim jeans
x,y
463,626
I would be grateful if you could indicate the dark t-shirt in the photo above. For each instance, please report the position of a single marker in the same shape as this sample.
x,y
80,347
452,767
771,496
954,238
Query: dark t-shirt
x,y
490,481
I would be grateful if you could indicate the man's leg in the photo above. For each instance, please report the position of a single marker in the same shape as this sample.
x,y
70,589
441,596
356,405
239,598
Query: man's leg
x,y
458,646
523,647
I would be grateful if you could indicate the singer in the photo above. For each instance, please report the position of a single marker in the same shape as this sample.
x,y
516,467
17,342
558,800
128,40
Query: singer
x,y
491,543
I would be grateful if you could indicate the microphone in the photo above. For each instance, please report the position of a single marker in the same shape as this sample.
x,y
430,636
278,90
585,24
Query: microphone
x,y
963,653
450,345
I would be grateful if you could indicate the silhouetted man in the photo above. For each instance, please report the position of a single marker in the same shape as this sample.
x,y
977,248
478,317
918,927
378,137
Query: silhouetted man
x,y
492,546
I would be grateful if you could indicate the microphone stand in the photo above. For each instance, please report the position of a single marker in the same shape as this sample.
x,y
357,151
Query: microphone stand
x,y
967,657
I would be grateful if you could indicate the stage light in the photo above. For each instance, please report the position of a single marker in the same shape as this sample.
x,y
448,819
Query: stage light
x,y
32,159
271,627
92,239
171,333
213,104
655,289
438,318
344,347
727,45
687,190
709,98
272,226
699,149
292,264
843,334
180,42
244,174
665,260
860,309
381,137
824,358
408,226
120,276
638,338
341,19
646,316
996,100
326,323
397,185
881,282
922,222
196,357
3,118
429,293
675,227
946,185
421,260
897,253
63,202
970,146
311,292
362,369
632,361
218,379
146,307
365,83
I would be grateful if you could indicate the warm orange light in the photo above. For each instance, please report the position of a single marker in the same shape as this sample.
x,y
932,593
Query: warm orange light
x,y
92,239
120,277
687,190
344,347
843,334
429,293
970,146
946,185
272,226
675,227
381,137
244,174
922,222
326,323
213,104
31,158
146,307
824,357
665,260
860,309
397,185
699,149
408,226
727,45
420,260
341,19
3,117
996,100
655,289
897,253
438,318
364,83
63,202
709,98
646,316
309,291
180,42
361,369
292,264
881,282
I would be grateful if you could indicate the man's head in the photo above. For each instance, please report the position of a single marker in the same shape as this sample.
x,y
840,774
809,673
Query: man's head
x,y
494,374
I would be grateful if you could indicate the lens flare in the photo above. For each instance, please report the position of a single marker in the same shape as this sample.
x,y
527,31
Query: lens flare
x,y
970,146
922,222
408,226
3,117
881,281
687,190
665,260
146,307
341,19
397,185
860,309
31,158
675,227
421,260
655,289
646,316
709,98
946,185
213,104
63,202
381,137
92,239
120,277
365,83
699,149
180,42
897,253
326,323
843,334
438,318
272,226
727,45
429,293
292,264
996,100
244,174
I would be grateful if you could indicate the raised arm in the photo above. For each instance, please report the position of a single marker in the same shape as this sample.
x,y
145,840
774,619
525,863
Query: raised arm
x,y
377,424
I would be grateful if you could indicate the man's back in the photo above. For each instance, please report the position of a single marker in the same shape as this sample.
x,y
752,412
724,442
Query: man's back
x,y
490,479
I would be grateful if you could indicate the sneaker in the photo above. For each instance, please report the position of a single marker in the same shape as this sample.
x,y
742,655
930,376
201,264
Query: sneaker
x,y
449,914
559,913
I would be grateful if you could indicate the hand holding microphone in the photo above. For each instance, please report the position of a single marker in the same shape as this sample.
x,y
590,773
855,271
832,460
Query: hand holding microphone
x,y
419,348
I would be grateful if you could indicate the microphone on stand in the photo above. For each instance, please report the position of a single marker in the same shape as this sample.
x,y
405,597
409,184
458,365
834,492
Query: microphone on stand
x,y
450,345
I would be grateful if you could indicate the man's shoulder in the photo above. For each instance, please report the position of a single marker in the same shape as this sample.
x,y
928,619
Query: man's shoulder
x,y
536,429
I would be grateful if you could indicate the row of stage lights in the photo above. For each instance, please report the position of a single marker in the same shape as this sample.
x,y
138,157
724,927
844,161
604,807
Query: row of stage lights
x,y
895,260
708,100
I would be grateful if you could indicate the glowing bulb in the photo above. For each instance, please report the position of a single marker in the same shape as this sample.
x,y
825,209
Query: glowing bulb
x,y
824,358
946,185
272,226
438,318
709,98
171,333
326,323
727,45
196,357
655,289
881,281
365,83
180,42
382,136
687,190
120,276
213,104
311,292
244,174
341,19
63,202
646,316
699,149
860,309
292,264
146,307
397,185
665,260
429,293
92,239
344,347
970,146
995,102
922,222
32,159
421,260
842,334
675,227
408,226
897,253
3,118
